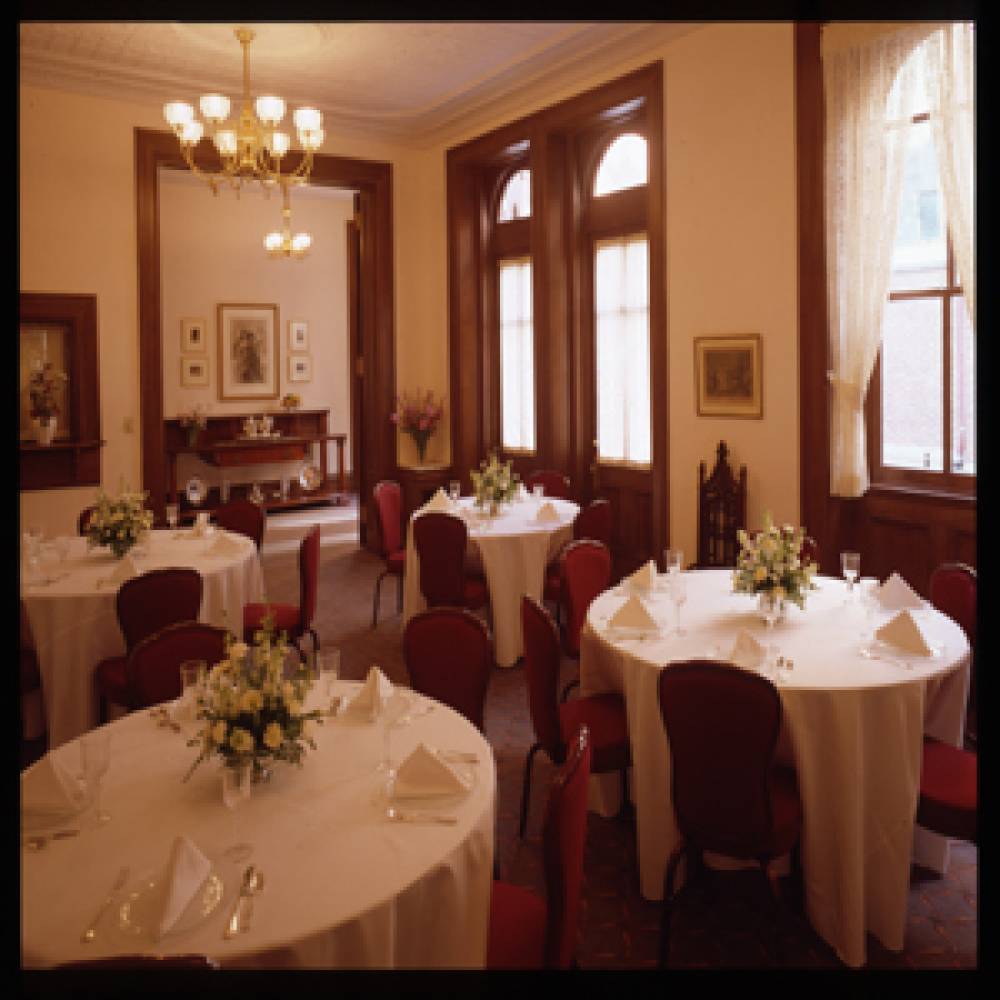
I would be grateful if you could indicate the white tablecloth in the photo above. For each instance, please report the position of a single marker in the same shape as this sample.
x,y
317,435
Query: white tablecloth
x,y
515,547
344,887
852,726
74,624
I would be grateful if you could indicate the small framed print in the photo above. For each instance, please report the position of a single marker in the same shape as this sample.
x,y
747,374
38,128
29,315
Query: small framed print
x,y
298,335
194,372
727,373
193,335
300,368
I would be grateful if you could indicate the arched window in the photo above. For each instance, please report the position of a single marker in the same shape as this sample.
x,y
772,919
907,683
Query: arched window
x,y
515,202
624,165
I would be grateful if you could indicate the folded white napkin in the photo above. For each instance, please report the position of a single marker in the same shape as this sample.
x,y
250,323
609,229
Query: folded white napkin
x,y
747,652
439,502
904,633
424,773
896,594
546,513
632,614
51,790
184,875
224,545
371,699
125,570
644,577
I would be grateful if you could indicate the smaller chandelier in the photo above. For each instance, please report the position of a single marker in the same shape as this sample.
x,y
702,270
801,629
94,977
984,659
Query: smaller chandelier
x,y
283,243
254,148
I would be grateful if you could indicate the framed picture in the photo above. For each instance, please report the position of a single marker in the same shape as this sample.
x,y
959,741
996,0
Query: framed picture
x,y
298,335
727,373
248,352
193,335
300,368
194,371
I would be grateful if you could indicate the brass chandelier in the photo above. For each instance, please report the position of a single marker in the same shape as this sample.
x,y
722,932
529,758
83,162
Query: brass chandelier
x,y
282,243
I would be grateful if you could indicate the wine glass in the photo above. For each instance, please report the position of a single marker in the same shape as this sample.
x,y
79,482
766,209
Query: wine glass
x,y
850,564
328,668
454,490
172,512
772,607
236,791
192,676
538,491
95,757
673,560
678,594
870,603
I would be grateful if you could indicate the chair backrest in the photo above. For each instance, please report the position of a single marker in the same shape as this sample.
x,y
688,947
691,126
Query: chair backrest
x,y
389,505
722,726
308,575
809,553
953,591
585,568
152,671
554,483
448,656
541,664
722,510
440,540
244,517
83,521
564,838
594,521
148,602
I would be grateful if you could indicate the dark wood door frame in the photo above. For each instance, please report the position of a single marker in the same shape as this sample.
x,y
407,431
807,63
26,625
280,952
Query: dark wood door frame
x,y
373,183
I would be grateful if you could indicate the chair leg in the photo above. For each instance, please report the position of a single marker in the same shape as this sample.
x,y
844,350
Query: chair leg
x,y
668,891
774,895
526,788
378,591
399,593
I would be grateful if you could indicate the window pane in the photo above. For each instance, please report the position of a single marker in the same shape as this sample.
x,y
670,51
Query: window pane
x,y
621,320
623,165
517,356
912,380
963,389
515,203
919,257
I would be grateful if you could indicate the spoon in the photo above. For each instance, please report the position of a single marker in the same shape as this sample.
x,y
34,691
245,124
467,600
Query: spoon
x,y
401,816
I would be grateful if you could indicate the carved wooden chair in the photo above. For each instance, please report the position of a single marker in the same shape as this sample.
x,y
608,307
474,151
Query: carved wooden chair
x,y
722,510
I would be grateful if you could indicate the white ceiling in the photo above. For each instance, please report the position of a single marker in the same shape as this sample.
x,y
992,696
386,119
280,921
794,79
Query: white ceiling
x,y
413,81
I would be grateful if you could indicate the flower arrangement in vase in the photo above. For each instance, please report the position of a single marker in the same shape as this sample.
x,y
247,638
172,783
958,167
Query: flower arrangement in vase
x,y
291,401
494,483
419,417
252,706
194,422
45,384
119,523
770,564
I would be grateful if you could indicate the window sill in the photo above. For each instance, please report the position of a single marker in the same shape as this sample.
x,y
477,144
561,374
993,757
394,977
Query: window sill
x,y
920,493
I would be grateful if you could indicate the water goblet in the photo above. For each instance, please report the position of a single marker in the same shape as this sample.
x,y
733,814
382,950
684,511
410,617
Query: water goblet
x,y
678,594
172,512
192,677
772,607
95,757
673,560
235,791
870,603
328,669
538,491
454,490
850,564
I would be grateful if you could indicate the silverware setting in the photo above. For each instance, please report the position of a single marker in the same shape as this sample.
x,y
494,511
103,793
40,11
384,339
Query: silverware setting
x,y
458,756
413,713
36,843
91,932
395,815
239,921
870,654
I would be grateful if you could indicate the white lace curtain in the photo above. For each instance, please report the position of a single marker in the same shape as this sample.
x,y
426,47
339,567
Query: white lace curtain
x,y
871,90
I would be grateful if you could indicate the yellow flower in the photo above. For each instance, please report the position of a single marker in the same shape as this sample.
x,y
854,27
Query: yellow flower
x,y
251,700
240,740
273,736
760,573
238,650
218,732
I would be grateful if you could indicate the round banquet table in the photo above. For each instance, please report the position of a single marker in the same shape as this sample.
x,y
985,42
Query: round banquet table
x,y
514,547
344,887
75,626
852,726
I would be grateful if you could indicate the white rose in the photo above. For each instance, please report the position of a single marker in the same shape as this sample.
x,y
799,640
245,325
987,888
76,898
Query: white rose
x,y
238,650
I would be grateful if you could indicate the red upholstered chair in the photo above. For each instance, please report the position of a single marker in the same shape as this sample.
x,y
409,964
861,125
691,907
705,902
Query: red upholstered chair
x,y
389,507
30,690
243,517
555,723
949,795
554,483
153,669
593,521
145,604
953,591
83,521
448,656
526,932
585,572
441,541
729,797
293,619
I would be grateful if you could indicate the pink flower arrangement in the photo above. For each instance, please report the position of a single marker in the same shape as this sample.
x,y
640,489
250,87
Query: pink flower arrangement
x,y
419,416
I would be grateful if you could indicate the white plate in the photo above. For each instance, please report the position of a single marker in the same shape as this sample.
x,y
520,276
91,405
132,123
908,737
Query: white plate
x,y
196,491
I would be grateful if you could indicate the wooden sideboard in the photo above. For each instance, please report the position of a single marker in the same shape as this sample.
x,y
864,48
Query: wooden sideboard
x,y
223,445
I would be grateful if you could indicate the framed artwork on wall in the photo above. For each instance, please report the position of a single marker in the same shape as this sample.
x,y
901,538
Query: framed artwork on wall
x,y
248,351
298,335
300,368
728,376
193,335
194,372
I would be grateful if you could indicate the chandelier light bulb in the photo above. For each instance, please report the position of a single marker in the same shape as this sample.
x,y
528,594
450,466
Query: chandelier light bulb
x,y
307,119
214,108
225,142
191,133
312,140
301,242
270,109
279,143
177,114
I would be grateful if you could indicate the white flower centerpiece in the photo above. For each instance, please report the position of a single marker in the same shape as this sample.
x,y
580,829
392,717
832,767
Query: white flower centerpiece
x,y
770,564
119,523
494,483
253,708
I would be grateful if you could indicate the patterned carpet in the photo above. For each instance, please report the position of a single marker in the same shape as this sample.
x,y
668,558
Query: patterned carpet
x,y
720,923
